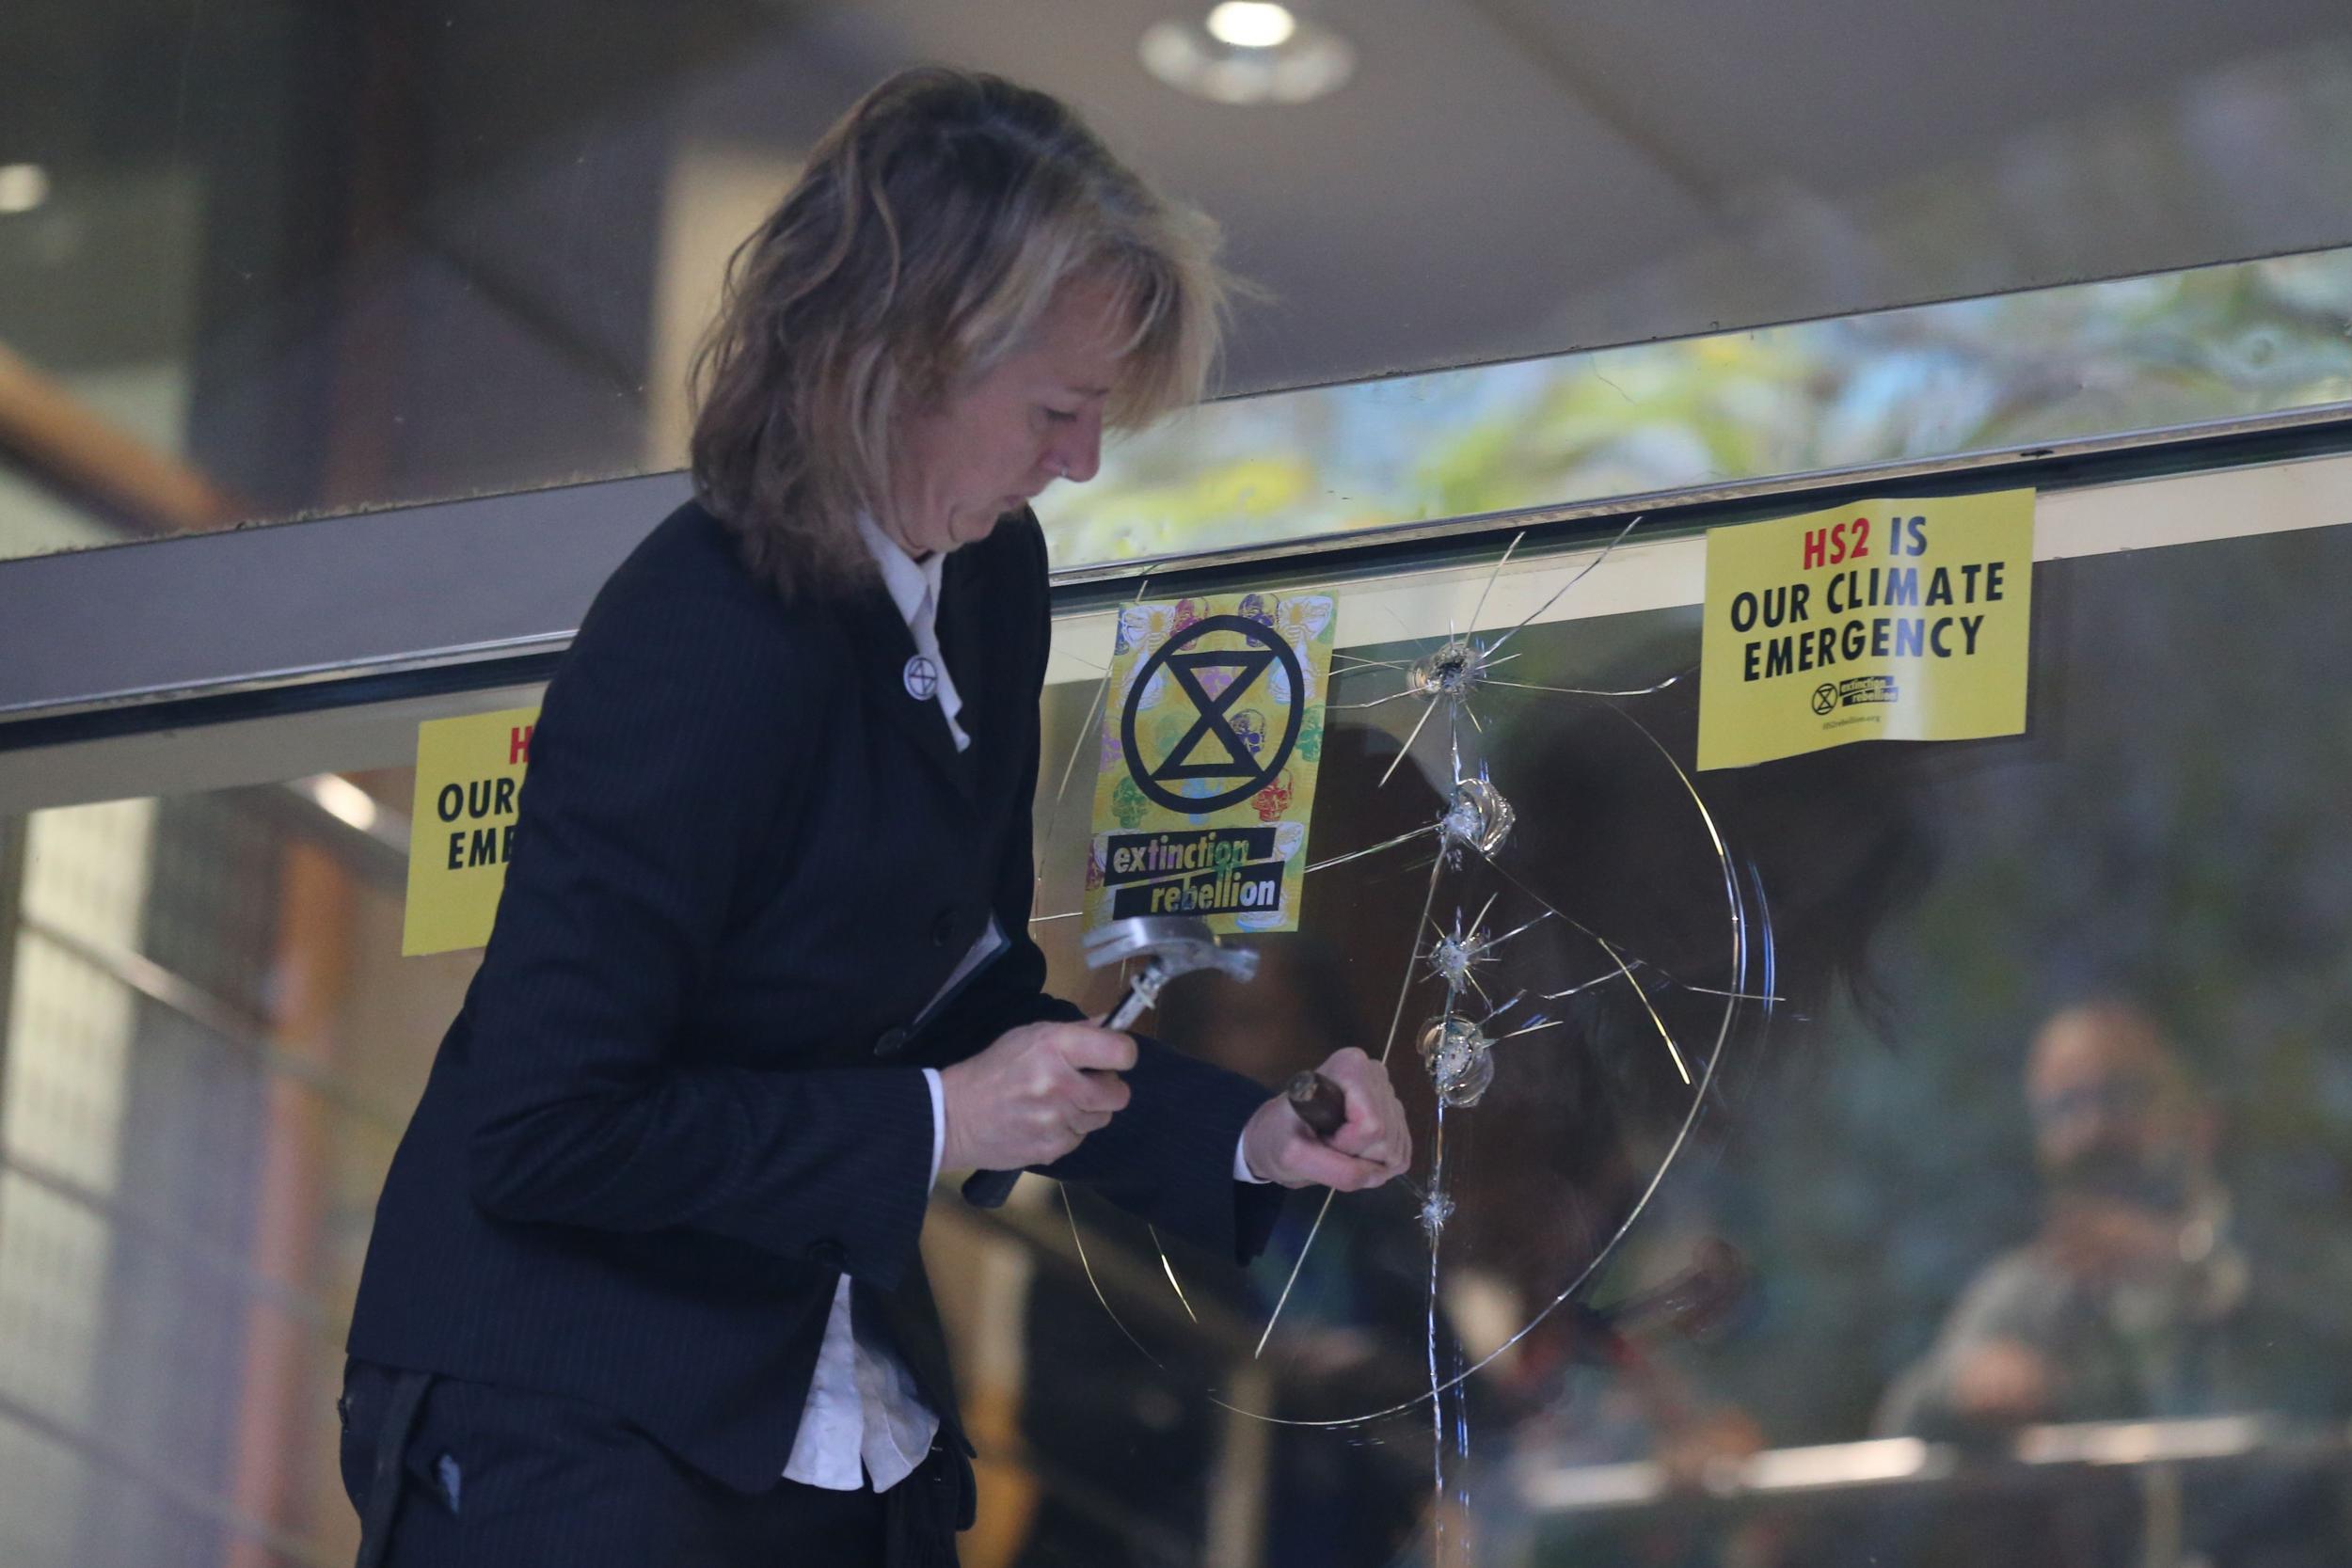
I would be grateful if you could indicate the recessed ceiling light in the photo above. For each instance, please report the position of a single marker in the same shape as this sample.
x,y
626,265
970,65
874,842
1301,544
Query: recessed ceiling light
x,y
1249,53
22,187
1251,23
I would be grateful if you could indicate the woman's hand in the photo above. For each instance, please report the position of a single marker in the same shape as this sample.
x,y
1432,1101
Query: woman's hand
x,y
1371,1146
1033,1095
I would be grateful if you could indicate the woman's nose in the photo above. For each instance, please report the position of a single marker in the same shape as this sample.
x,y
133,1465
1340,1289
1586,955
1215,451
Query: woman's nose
x,y
1077,453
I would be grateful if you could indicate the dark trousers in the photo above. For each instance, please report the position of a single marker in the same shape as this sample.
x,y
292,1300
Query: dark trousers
x,y
491,1477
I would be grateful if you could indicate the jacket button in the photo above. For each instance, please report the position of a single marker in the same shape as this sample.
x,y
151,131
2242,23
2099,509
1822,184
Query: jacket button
x,y
827,1251
944,928
891,1041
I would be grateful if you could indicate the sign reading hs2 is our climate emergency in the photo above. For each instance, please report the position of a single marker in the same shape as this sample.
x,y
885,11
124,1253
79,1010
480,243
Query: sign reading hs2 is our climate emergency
x,y
470,777
1890,620
1212,732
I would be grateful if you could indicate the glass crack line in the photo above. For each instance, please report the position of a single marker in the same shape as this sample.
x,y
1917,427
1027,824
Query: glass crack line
x,y
1624,971
1434,1214
1359,854
1750,943
1590,691
1607,551
1453,955
1459,1058
1395,1018
1407,750
1376,701
1608,1250
1456,954
1478,817
1740,955
1361,662
1460,664
1167,1266
1623,967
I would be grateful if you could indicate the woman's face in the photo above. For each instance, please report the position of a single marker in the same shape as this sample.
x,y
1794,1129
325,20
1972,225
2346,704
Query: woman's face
x,y
998,440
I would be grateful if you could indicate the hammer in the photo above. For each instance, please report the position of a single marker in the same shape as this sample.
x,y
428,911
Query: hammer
x,y
1175,944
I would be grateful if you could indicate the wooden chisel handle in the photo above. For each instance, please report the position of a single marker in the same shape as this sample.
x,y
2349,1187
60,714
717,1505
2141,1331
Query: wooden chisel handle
x,y
1317,1101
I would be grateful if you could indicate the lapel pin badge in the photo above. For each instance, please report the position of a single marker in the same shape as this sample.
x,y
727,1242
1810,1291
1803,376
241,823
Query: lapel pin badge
x,y
922,678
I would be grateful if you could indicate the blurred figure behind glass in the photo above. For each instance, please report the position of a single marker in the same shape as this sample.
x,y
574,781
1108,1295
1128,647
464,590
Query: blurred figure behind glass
x,y
2128,1301
2145,1295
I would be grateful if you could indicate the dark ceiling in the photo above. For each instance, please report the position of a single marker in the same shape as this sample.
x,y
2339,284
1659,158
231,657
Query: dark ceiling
x,y
402,250
1505,178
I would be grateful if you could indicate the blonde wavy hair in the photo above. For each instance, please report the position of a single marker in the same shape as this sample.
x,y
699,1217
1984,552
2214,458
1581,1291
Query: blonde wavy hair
x,y
933,225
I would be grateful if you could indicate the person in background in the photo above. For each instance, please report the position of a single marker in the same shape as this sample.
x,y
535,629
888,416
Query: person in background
x,y
2147,1294
2127,1302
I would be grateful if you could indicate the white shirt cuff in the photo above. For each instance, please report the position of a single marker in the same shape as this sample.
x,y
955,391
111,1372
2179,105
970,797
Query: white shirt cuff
x,y
939,1122
1241,1167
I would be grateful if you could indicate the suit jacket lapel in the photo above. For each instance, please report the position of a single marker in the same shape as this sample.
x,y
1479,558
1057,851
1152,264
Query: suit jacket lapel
x,y
881,645
986,652
968,643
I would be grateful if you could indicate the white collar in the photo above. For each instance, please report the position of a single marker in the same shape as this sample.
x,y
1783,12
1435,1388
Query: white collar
x,y
906,578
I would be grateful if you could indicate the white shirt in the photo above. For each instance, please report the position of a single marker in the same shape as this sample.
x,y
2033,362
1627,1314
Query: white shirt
x,y
863,1417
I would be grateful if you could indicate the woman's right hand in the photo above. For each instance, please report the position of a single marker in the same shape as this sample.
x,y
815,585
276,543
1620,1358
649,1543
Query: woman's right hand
x,y
1032,1096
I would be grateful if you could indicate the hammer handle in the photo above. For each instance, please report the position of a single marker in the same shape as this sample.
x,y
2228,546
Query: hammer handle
x,y
988,1189
1131,1008
1317,1101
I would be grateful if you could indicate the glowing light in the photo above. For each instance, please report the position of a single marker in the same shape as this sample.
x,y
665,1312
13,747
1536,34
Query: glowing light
x,y
26,187
1248,52
342,798
1251,24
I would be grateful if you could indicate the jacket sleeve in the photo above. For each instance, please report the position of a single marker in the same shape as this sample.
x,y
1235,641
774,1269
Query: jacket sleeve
x,y
1168,1156
669,740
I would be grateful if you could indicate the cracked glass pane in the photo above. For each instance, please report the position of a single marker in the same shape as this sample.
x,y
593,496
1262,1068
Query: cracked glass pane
x,y
1799,1147
1519,900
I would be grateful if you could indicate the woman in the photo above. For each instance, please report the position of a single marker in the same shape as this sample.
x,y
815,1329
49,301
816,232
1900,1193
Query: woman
x,y
643,1286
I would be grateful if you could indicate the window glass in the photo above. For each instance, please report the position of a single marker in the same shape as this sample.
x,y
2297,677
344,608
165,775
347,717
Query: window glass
x,y
1951,1162
2001,1218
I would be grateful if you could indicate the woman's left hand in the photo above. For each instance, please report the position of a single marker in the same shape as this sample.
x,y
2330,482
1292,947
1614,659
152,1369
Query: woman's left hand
x,y
1369,1147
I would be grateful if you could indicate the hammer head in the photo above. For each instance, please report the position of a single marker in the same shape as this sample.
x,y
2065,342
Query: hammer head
x,y
1178,944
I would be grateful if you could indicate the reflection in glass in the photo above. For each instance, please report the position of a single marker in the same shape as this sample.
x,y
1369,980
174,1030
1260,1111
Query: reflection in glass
x,y
1608,429
2009,1222
207,1060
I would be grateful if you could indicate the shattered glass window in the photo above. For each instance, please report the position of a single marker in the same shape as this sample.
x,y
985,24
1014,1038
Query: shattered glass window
x,y
1902,1153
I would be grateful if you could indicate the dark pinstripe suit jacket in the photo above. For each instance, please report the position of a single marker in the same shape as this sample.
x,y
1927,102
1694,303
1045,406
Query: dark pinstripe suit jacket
x,y
681,1097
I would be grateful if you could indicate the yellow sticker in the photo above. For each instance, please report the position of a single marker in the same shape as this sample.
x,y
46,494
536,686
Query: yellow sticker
x,y
1888,620
470,775
1212,734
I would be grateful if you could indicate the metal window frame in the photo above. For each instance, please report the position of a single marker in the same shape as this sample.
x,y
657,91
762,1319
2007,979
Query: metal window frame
x,y
459,595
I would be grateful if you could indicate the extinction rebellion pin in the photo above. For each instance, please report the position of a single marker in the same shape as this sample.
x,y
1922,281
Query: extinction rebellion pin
x,y
922,678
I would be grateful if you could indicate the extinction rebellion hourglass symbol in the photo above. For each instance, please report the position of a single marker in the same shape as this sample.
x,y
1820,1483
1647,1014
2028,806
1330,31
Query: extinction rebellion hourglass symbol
x,y
1211,747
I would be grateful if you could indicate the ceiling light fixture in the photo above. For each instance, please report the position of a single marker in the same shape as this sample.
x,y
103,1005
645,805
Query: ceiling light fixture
x,y
1248,52
1251,24
22,187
